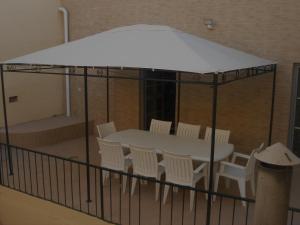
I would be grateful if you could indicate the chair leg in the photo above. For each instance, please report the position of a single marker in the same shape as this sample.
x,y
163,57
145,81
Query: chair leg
x,y
133,185
253,184
124,183
227,181
192,196
206,186
216,185
166,190
157,186
206,183
242,187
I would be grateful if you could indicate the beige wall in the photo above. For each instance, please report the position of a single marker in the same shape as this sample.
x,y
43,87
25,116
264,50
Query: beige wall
x,y
28,26
269,29
123,99
20,209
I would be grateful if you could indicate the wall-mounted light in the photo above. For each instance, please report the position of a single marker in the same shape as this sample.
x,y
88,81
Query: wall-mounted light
x,y
210,23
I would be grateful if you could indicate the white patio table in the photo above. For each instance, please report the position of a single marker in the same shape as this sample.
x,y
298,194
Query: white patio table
x,y
198,149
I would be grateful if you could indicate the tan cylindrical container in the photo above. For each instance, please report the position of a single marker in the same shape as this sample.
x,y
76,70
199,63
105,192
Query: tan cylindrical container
x,y
273,185
272,196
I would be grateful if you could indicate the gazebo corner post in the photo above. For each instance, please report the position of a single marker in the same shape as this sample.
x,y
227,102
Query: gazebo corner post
x,y
212,151
107,95
87,147
5,122
272,104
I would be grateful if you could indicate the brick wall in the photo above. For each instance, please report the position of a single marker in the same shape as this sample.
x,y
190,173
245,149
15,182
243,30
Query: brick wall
x,y
266,28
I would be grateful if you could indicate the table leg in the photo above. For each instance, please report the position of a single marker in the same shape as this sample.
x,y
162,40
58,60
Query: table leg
x,y
216,169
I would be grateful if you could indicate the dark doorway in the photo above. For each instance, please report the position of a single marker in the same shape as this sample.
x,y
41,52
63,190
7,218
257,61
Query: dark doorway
x,y
158,99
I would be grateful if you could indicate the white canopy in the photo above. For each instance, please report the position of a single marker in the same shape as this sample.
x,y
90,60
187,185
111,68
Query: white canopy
x,y
145,46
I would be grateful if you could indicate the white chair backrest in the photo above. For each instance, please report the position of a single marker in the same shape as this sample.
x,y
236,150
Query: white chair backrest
x,y
112,155
106,129
144,161
221,136
250,167
188,130
160,127
179,168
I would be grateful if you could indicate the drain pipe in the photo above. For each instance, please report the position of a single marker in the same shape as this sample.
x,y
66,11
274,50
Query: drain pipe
x,y
66,40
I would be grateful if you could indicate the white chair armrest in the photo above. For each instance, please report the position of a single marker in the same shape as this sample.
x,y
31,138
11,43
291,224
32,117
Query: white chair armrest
x,y
200,168
239,155
224,163
162,163
128,156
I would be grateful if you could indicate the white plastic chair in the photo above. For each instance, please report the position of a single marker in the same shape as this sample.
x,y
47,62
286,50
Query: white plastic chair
x,y
179,170
188,130
106,129
160,127
241,174
221,136
112,157
145,163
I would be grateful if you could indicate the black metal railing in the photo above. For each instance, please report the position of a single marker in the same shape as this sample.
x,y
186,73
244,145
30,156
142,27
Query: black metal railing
x,y
63,181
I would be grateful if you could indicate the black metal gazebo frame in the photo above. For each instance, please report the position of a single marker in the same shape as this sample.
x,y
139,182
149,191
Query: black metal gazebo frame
x,y
212,79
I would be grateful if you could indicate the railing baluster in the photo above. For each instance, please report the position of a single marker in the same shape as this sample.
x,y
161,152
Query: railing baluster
x,y
96,195
49,174
233,213
120,194
172,189
29,166
183,198
2,164
110,196
36,175
160,200
71,176
129,200
101,193
43,177
1,169
247,212
139,201
13,175
292,218
18,168
220,210
23,163
7,166
57,181
64,173
79,186
195,212
88,201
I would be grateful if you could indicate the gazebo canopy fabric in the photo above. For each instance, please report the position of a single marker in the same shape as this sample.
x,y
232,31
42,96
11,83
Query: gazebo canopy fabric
x,y
145,46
